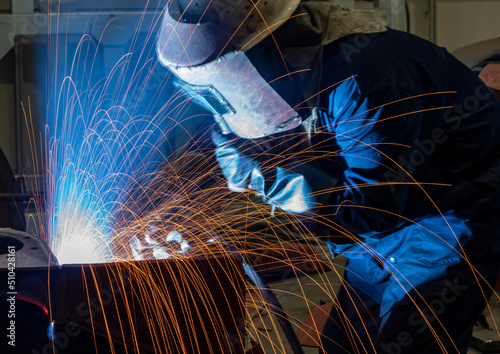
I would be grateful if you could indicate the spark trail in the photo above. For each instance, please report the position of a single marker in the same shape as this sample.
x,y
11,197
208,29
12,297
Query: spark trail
x,y
123,186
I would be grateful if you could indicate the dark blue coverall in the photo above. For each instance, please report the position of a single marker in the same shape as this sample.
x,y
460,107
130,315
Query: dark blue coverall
x,y
405,161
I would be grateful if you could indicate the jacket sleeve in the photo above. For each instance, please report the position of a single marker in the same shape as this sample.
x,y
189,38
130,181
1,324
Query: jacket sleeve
x,y
368,185
380,135
279,168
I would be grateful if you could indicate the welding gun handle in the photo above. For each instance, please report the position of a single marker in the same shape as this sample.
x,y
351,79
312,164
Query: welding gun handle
x,y
271,300
275,308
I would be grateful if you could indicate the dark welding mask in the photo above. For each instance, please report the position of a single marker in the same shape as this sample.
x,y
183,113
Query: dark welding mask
x,y
203,42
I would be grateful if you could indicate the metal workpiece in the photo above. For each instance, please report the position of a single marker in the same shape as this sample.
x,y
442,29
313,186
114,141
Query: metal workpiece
x,y
30,251
191,305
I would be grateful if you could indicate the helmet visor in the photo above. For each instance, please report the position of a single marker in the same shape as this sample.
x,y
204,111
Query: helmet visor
x,y
240,99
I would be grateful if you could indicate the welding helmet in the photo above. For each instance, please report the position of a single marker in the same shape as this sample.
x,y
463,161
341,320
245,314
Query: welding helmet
x,y
203,42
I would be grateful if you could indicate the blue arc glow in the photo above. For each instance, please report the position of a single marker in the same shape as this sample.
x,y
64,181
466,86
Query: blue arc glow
x,y
108,126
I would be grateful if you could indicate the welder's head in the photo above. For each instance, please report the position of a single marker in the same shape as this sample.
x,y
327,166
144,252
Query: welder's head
x,y
203,42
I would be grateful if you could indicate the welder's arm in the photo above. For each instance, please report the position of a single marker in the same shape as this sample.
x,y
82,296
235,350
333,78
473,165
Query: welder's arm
x,y
373,190
379,134
275,168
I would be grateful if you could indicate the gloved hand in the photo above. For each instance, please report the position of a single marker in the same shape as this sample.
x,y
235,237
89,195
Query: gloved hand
x,y
276,167
240,159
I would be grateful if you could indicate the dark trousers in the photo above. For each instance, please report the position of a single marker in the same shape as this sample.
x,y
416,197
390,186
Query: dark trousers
x,y
435,318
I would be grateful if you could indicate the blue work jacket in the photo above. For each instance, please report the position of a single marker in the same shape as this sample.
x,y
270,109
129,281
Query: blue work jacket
x,y
402,157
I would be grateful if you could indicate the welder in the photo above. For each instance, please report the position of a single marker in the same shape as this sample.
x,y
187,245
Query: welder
x,y
380,136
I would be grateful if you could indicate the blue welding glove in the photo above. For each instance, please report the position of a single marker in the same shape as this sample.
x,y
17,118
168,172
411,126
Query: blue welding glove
x,y
279,168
